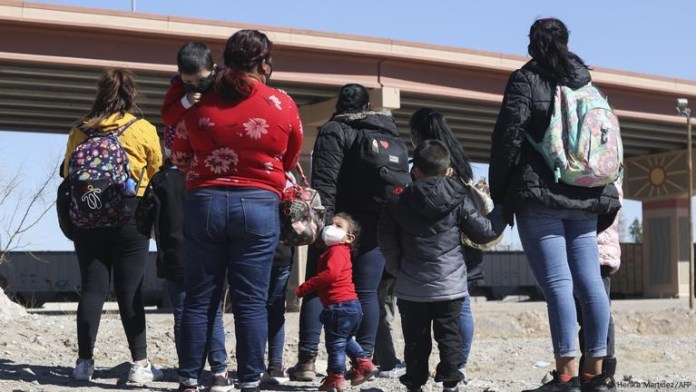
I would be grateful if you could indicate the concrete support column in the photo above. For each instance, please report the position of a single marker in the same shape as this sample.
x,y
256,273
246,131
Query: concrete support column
x,y
666,248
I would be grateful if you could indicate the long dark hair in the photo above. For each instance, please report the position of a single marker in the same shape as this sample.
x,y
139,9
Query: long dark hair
x,y
116,92
427,123
352,98
548,45
244,52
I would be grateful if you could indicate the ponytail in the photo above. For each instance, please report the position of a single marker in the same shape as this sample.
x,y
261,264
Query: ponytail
x,y
548,45
244,52
233,84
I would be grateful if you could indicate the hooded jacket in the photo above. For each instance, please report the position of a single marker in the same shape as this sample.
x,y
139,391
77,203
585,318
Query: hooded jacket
x,y
331,161
420,237
518,174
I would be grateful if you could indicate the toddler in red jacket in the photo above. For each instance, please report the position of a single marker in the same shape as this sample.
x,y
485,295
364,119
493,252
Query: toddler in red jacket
x,y
342,312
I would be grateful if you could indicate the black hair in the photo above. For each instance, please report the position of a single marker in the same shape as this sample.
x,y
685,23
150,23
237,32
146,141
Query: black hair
x,y
244,52
431,158
548,45
427,123
354,230
194,57
352,98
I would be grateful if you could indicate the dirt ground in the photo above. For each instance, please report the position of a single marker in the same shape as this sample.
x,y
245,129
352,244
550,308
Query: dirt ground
x,y
656,346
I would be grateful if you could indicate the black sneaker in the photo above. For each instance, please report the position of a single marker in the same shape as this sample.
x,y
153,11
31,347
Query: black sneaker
x,y
251,389
221,383
600,383
556,385
184,388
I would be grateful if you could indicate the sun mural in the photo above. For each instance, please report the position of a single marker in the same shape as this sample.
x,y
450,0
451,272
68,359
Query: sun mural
x,y
657,176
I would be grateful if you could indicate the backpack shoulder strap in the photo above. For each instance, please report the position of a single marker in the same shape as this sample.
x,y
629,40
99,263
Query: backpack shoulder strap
x,y
119,131
92,131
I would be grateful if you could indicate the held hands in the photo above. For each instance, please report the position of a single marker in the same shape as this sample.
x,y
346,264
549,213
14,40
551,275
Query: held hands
x,y
497,218
299,291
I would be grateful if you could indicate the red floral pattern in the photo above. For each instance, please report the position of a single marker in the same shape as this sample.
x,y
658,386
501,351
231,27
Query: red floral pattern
x,y
251,143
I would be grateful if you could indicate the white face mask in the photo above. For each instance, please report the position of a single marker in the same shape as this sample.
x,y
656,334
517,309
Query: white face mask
x,y
333,235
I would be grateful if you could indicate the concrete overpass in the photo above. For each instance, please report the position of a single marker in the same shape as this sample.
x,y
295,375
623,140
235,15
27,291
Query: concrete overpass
x,y
50,57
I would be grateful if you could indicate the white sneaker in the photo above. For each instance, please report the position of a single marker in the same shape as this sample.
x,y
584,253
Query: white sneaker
x,y
84,369
143,374
398,371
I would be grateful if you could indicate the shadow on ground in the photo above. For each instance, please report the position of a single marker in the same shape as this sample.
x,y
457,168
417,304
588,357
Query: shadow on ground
x,y
113,378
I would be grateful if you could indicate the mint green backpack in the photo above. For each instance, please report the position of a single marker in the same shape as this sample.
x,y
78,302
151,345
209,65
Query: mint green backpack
x,y
582,144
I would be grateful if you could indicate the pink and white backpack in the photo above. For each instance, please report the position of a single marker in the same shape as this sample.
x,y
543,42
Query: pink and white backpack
x,y
582,144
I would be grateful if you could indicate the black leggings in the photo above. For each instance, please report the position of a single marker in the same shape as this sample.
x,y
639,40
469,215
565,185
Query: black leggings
x,y
122,251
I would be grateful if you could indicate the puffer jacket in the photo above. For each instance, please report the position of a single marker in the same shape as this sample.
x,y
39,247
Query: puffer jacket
x,y
518,174
331,176
420,236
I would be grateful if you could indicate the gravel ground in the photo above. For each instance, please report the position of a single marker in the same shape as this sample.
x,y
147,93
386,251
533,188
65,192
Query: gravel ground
x,y
656,344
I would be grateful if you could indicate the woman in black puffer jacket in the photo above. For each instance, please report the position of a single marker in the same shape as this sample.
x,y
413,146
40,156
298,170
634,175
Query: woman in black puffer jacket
x,y
557,223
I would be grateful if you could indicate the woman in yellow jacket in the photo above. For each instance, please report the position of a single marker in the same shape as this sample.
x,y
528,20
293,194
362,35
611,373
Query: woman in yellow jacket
x,y
120,250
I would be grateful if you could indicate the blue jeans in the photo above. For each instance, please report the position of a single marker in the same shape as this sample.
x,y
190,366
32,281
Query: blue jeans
x,y
276,312
466,328
367,274
229,232
561,248
217,355
341,322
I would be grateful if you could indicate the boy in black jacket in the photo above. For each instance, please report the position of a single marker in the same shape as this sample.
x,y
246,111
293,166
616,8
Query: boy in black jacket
x,y
420,235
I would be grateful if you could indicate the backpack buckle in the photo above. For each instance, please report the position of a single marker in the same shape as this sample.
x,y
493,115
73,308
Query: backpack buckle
x,y
604,131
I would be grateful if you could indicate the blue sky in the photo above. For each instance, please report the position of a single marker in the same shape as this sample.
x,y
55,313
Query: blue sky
x,y
641,36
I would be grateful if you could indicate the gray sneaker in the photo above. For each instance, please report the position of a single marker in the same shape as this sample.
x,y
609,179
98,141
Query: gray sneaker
x,y
398,371
84,369
143,374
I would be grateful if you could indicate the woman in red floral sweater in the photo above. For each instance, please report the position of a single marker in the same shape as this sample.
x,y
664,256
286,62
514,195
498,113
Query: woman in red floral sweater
x,y
237,144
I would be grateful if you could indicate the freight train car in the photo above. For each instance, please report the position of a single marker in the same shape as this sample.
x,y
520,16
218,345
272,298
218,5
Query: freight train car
x,y
33,278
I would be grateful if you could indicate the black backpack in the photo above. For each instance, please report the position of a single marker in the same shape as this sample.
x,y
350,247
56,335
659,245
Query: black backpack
x,y
378,161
